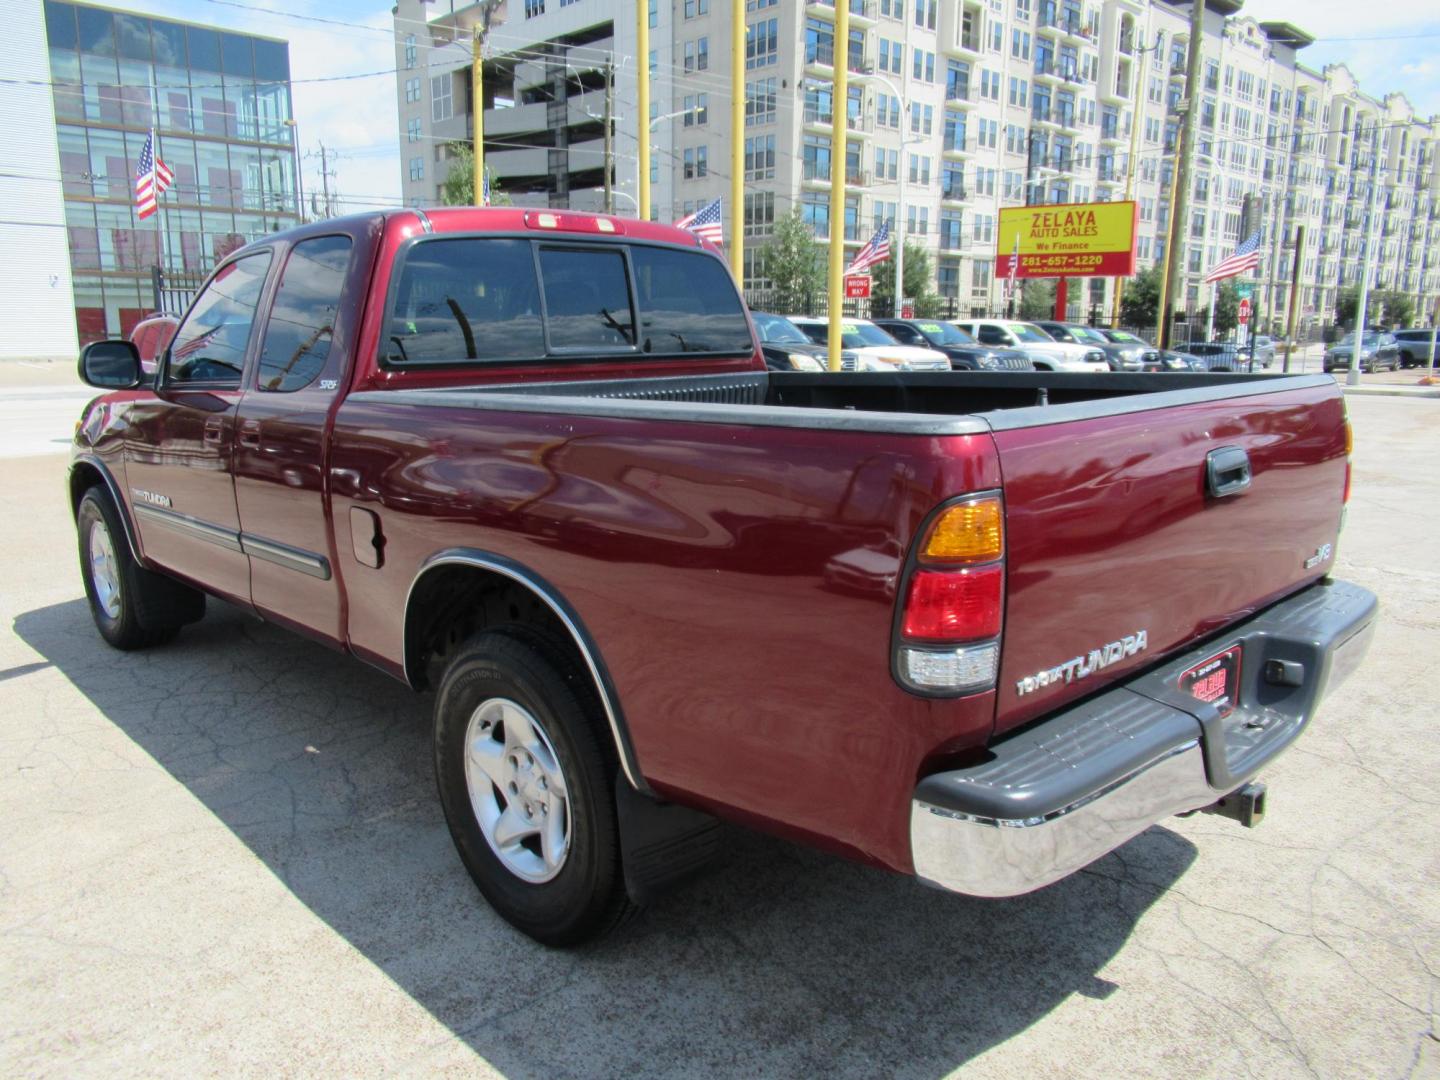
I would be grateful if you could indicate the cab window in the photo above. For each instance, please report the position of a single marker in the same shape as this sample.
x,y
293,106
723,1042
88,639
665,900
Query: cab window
x,y
302,319
209,348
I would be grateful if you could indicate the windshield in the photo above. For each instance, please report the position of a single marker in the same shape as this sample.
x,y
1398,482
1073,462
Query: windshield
x,y
1122,338
779,331
1028,332
943,333
853,335
1084,333
1370,339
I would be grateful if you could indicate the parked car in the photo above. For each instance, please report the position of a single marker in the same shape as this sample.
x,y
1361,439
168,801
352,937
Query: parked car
x,y
1219,355
954,634
1262,348
873,348
965,353
1044,352
786,347
1170,360
1378,352
1414,346
1119,357
151,335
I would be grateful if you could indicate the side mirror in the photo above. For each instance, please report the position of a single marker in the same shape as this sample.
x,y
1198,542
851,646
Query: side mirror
x,y
111,365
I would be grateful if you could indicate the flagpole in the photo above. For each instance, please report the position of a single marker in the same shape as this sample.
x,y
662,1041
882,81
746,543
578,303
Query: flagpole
x,y
1210,315
155,160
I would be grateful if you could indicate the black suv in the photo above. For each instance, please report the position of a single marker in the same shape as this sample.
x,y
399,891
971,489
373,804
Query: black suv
x,y
965,353
785,345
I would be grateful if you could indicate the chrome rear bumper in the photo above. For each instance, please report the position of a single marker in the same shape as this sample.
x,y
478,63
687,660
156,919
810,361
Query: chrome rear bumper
x,y
1067,791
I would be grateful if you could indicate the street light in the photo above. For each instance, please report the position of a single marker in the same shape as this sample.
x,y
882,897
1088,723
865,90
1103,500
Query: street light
x,y
871,75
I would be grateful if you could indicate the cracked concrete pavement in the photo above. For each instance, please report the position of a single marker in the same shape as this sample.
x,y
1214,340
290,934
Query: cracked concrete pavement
x,y
226,856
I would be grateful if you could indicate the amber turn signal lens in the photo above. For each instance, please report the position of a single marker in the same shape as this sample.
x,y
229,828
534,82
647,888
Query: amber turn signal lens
x,y
1349,439
968,532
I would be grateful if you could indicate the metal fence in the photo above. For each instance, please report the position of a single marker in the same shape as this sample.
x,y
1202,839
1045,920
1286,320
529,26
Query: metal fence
x,y
172,290
781,302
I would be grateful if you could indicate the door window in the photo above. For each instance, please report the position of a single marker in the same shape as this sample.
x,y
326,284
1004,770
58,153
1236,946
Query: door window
x,y
302,320
209,348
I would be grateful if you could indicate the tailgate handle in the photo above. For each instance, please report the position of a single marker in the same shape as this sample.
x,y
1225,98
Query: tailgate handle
x,y
1227,471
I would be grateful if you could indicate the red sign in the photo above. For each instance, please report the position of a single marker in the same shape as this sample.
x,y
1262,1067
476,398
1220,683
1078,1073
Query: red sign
x,y
1244,312
857,287
907,312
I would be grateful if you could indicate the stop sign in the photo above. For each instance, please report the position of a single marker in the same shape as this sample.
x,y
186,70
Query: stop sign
x,y
1244,311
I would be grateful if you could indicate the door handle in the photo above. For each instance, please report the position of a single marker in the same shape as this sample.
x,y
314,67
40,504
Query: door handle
x,y
250,433
1227,471
215,430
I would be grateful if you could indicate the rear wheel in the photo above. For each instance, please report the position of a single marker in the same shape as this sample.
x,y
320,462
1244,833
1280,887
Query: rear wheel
x,y
528,786
133,608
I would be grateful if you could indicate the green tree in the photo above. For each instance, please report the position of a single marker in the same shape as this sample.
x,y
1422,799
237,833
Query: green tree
x,y
793,262
1140,304
1037,298
1399,308
1347,301
459,188
1227,308
919,284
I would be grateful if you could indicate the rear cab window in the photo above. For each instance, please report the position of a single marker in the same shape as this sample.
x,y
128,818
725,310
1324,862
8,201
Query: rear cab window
x,y
466,299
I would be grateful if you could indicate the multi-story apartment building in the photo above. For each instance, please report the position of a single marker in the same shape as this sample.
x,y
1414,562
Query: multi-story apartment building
x,y
219,104
971,105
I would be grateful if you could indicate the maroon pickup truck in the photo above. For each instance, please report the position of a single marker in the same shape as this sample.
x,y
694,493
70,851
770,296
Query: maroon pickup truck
x,y
979,628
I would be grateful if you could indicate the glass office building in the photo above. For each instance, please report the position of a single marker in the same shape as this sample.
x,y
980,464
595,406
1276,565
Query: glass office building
x,y
220,105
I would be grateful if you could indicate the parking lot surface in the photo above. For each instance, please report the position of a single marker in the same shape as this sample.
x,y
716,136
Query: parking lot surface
x,y
225,856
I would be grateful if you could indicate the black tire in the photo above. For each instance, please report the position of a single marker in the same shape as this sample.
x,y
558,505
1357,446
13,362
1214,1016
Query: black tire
x,y
586,897
142,608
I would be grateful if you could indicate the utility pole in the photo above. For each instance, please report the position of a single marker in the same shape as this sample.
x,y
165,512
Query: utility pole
x,y
1352,377
839,98
1136,118
325,180
1294,294
610,137
737,143
477,112
1180,197
642,105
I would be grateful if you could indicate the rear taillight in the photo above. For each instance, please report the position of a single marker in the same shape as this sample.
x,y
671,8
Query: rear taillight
x,y
1349,451
952,605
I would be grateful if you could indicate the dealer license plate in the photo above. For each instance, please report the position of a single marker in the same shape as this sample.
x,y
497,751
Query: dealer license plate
x,y
1215,681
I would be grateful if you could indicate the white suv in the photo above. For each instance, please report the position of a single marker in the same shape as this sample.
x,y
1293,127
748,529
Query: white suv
x,y
874,349
1044,352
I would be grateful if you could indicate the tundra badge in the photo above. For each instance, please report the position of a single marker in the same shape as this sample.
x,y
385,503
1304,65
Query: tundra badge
x,y
1322,554
1083,666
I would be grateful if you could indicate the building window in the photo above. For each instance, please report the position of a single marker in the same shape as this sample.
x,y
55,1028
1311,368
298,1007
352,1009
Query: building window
x,y
759,213
442,100
697,109
412,89
417,168
760,157
702,54
409,51
760,102
762,43
696,7
815,158
815,212
533,8
412,130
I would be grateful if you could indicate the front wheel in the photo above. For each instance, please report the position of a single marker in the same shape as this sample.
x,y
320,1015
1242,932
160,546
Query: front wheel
x,y
133,608
528,786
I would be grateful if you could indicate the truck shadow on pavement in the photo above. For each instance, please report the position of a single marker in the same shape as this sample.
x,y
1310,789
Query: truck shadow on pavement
x,y
781,961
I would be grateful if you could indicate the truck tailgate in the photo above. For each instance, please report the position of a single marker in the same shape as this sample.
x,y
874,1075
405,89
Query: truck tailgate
x,y
1112,532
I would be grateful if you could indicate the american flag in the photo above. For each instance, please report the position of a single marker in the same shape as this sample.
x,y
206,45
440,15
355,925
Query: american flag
x,y
705,223
876,250
152,177
1246,258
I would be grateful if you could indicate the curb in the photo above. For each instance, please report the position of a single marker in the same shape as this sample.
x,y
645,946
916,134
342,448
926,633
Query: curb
x,y
1393,391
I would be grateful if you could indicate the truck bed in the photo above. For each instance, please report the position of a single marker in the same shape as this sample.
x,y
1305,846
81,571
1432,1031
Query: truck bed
x,y
918,403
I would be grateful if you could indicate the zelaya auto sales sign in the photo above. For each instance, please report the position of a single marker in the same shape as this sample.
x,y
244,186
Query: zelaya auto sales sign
x,y
1067,240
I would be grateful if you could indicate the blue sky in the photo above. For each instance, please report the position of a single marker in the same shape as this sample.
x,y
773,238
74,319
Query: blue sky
x,y
1389,46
